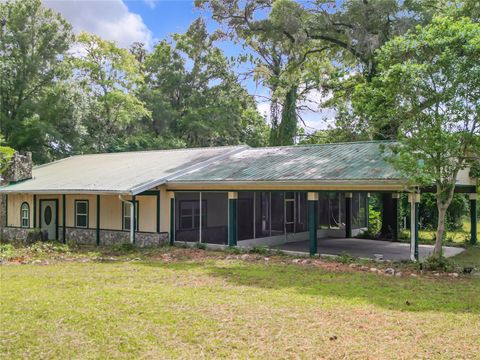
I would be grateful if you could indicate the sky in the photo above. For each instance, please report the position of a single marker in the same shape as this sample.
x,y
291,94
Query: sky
x,y
148,21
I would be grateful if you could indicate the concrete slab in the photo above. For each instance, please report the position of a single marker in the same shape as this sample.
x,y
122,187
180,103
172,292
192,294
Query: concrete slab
x,y
365,248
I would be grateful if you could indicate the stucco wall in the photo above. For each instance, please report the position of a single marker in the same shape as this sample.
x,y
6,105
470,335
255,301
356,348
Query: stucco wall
x,y
15,202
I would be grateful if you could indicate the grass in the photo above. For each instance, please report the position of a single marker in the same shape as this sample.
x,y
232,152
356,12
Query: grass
x,y
191,303
452,237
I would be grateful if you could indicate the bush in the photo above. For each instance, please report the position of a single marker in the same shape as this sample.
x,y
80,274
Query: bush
x,y
261,250
438,263
201,246
345,258
7,251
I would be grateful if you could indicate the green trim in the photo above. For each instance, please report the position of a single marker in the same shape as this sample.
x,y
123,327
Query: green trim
x,y
172,221
6,209
64,222
148,192
473,221
158,211
56,214
348,217
34,211
21,210
88,214
136,215
312,226
416,231
459,189
97,233
232,222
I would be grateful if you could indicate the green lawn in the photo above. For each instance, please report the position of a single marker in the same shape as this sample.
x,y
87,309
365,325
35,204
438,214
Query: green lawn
x,y
178,303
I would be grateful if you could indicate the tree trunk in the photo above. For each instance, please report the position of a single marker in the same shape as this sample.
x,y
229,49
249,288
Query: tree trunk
x,y
442,210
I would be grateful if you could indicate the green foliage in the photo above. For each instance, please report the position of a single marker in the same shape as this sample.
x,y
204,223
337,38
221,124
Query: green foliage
x,y
261,250
7,251
374,222
438,263
345,258
6,154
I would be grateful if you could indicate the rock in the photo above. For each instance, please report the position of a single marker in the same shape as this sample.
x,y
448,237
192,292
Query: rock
x,y
398,273
373,269
413,275
36,261
436,274
245,257
390,271
378,256
296,261
453,275
266,259
352,265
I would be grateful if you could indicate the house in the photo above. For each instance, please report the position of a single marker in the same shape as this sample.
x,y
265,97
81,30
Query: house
x,y
232,195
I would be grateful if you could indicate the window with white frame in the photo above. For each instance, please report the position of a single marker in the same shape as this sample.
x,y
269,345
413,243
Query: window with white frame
x,y
25,215
81,213
127,219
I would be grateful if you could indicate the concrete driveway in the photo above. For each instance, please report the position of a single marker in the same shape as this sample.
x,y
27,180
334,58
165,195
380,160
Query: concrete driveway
x,y
367,248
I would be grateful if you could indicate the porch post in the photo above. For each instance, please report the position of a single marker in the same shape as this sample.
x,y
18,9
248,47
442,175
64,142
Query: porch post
x,y
368,210
348,214
34,211
98,221
312,198
414,199
232,218
133,221
395,223
473,218
64,216
171,196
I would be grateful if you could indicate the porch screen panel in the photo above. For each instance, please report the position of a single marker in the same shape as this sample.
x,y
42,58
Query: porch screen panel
x,y
187,216
362,211
356,210
334,202
245,212
262,214
215,215
302,212
277,213
324,210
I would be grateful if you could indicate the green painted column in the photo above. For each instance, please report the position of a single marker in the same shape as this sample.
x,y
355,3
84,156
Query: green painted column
x,y
34,211
134,220
395,223
348,214
414,200
171,196
64,218
473,218
158,212
312,199
98,221
367,212
232,218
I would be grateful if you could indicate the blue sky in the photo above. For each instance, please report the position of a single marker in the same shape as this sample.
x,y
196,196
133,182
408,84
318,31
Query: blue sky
x,y
126,21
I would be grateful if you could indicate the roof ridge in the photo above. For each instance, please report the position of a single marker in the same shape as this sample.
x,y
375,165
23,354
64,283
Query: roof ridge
x,y
326,144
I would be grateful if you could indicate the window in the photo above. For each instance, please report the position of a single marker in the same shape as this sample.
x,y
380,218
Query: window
x,y
190,214
127,219
81,213
25,215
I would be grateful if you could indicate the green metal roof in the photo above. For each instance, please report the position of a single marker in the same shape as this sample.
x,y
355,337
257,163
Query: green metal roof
x,y
363,161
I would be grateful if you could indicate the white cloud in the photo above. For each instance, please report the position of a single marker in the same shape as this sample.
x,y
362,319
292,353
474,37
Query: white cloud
x,y
151,3
111,20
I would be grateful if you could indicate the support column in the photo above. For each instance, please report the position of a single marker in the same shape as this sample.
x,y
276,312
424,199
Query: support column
x,y
133,221
34,211
97,234
348,214
473,218
158,211
232,218
367,206
64,217
414,200
395,223
312,199
171,196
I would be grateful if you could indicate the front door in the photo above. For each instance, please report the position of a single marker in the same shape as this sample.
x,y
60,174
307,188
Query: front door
x,y
290,216
48,218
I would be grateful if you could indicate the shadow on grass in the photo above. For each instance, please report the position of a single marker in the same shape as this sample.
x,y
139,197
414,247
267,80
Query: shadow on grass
x,y
392,293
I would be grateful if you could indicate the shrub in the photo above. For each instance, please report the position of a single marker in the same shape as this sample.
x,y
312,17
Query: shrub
x,y
345,258
7,251
437,263
261,250
201,246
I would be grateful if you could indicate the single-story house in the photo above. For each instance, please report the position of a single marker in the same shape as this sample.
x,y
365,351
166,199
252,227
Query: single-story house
x,y
231,195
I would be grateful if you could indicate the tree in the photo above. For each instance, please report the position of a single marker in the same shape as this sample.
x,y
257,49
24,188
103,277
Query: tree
x,y
277,48
33,43
194,95
109,76
429,82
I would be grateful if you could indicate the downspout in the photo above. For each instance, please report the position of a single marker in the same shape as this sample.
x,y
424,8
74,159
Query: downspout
x,y
132,217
